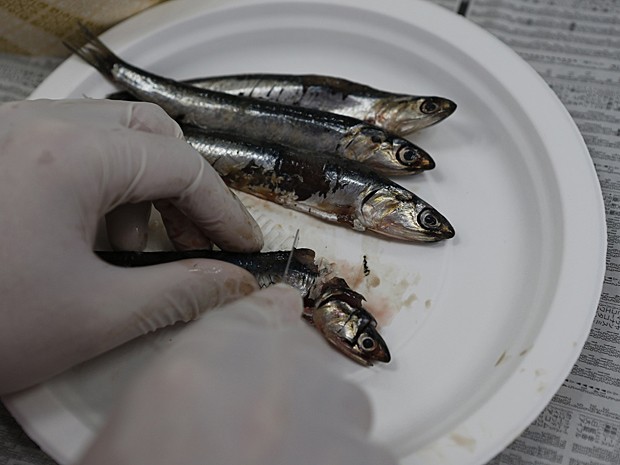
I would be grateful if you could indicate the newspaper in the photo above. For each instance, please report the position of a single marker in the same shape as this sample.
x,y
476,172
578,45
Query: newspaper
x,y
575,46
19,75
38,28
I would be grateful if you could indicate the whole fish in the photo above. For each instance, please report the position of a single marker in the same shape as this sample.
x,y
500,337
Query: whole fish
x,y
400,114
331,306
331,188
261,120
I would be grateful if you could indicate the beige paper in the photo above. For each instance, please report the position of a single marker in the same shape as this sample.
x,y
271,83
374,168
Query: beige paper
x,y
38,27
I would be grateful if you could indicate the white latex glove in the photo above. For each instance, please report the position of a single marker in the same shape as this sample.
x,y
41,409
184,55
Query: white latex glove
x,y
63,166
247,384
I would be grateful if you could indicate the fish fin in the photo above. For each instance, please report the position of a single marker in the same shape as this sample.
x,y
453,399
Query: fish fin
x,y
339,288
306,258
94,52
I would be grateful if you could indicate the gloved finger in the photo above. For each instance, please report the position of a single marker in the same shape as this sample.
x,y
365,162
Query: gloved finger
x,y
116,305
149,298
183,234
127,226
270,323
145,166
274,311
277,307
160,419
343,405
194,411
246,383
140,116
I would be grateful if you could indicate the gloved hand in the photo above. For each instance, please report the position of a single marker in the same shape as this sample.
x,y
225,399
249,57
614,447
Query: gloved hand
x,y
249,384
63,166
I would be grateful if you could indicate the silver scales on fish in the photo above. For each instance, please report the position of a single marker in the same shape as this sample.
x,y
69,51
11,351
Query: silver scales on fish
x,y
332,166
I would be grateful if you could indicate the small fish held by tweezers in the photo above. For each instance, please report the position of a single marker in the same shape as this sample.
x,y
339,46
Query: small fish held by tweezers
x,y
331,306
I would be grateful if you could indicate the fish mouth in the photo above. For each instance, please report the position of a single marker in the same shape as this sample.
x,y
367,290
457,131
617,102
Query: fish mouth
x,y
435,223
410,159
449,107
426,162
385,357
440,107
382,354
356,353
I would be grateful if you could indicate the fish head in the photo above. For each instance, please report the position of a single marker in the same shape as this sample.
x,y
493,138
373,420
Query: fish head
x,y
351,330
370,347
405,114
400,214
387,153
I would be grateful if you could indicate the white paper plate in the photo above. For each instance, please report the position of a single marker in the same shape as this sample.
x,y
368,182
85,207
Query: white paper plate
x,y
483,328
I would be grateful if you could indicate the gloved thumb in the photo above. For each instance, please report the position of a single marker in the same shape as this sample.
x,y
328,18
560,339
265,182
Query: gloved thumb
x,y
242,385
100,306
148,298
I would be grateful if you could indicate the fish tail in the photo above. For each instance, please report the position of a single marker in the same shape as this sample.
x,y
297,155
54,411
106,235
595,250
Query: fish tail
x,y
94,52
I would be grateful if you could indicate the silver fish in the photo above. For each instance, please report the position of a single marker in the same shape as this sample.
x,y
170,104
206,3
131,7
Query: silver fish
x,y
400,114
338,314
260,120
331,188
331,306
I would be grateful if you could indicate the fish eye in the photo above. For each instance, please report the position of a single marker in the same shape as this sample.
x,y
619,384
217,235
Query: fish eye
x,y
429,106
367,343
428,219
406,155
